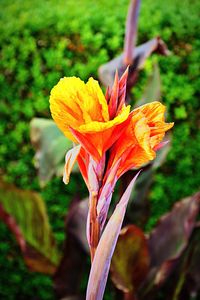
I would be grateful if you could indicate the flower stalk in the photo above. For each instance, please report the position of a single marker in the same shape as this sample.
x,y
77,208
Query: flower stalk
x,y
94,224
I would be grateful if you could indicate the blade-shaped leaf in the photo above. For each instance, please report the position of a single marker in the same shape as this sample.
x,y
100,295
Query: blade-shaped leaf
x,y
139,206
130,262
27,210
51,146
67,279
14,228
186,283
141,53
102,259
194,266
69,274
170,237
76,222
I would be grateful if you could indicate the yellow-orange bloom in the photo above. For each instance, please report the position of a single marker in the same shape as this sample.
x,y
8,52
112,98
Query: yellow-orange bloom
x,y
141,137
81,111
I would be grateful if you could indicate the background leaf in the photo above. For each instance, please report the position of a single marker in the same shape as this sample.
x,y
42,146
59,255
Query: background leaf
x,y
171,236
140,54
152,91
67,279
130,262
28,212
186,280
139,207
51,146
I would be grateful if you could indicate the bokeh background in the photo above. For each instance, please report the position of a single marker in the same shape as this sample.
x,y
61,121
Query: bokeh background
x,y
42,41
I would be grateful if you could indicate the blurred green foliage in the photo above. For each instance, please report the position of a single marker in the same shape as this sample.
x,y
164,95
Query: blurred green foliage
x,y
43,41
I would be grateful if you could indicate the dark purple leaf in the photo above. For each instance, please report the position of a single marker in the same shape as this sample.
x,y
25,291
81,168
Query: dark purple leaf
x,y
186,281
139,207
73,264
170,237
130,262
76,222
141,53
193,273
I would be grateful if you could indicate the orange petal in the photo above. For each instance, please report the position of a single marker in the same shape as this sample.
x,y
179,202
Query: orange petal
x,y
83,160
145,131
112,107
96,143
97,137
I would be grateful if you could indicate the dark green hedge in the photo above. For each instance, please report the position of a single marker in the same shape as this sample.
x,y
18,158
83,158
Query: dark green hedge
x,y
42,41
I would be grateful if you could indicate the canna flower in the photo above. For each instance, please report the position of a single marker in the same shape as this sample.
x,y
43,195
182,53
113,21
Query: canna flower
x,y
141,138
100,123
82,112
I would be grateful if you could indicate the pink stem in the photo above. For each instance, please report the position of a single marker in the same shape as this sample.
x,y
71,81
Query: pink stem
x,y
131,31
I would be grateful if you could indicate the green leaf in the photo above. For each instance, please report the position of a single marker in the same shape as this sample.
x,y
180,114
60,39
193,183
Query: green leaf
x,y
130,262
51,146
25,214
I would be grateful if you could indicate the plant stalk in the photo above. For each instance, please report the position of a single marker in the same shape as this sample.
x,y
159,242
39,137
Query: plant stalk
x,y
131,31
94,225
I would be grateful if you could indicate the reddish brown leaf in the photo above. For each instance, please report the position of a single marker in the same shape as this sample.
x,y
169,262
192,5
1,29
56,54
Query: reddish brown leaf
x,y
130,262
14,228
141,53
171,235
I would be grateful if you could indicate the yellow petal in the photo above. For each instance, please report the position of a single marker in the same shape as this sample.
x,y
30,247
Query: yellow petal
x,y
74,103
101,126
99,99
153,111
142,134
